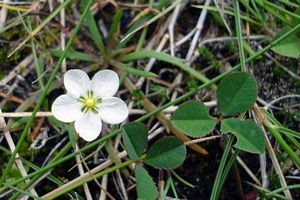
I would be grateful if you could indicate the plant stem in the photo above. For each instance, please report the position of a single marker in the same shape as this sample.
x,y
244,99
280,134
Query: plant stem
x,y
284,145
271,194
87,179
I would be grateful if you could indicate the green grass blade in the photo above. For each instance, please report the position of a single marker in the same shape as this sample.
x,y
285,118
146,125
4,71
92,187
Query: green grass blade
x,y
287,2
284,11
142,20
26,162
284,145
134,71
227,170
166,58
257,10
182,180
216,186
293,141
76,184
114,29
288,131
67,157
34,167
227,12
272,11
238,27
23,192
42,25
76,55
264,191
153,19
290,187
95,34
253,12
174,189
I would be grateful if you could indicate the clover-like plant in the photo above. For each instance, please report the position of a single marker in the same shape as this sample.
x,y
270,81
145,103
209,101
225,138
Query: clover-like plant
x,y
236,94
166,153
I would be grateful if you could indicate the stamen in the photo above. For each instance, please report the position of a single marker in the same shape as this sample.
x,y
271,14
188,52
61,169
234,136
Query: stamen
x,y
90,102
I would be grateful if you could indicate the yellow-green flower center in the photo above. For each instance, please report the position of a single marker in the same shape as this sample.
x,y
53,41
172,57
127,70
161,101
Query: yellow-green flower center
x,y
90,102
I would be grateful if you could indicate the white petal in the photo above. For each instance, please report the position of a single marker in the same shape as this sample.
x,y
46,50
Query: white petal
x,y
66,108
77,82
113,110
105,83
89,126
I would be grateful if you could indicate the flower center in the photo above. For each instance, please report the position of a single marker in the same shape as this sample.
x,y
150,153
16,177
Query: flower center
x,y
90,102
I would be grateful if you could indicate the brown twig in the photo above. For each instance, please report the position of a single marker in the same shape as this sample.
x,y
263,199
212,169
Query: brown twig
x,y
12,98
32,135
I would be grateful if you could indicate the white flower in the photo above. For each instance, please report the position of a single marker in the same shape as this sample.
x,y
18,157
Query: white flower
x,y
90,101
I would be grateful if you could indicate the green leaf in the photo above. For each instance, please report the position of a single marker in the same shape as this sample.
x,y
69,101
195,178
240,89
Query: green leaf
x,y
289,46
145,186
250,137
138,72
76,55
134,71
113,31
166,153
135,139
236,93
94,30
193,119
159,6
296,21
